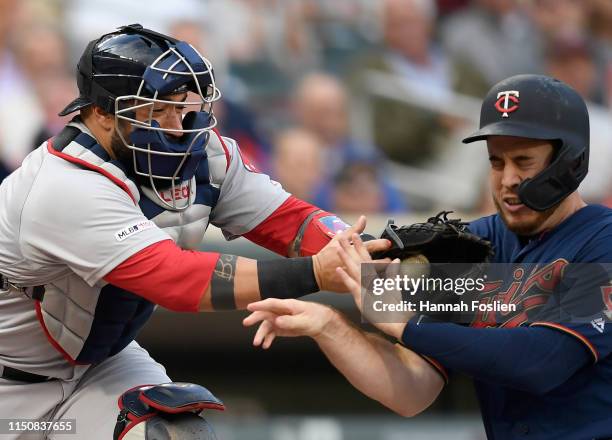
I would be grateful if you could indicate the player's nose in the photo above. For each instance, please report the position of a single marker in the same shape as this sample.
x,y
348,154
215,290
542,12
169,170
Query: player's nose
x,y
510,177
173,121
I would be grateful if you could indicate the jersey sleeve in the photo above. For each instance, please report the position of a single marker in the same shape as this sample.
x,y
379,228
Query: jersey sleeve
x,y
535,360
179,289
247,197
483,227
581,306
80,219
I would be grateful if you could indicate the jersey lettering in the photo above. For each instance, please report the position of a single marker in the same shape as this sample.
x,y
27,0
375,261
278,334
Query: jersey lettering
x,y
180,193
526,291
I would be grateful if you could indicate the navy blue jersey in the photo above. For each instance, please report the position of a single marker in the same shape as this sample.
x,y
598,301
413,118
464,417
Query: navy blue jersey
x,y
561,280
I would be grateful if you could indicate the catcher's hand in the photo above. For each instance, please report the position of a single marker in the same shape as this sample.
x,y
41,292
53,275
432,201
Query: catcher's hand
x,y
440,240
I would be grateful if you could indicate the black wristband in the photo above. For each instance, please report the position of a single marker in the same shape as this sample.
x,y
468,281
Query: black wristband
x,y
286,278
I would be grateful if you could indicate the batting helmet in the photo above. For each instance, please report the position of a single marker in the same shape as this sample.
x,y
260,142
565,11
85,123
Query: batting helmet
x,y
540,107
135,68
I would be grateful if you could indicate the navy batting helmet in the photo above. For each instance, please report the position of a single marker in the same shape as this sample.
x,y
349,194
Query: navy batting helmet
x,y
540,107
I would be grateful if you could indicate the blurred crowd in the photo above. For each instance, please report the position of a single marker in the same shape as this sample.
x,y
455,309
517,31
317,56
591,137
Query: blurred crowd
x,y
356,105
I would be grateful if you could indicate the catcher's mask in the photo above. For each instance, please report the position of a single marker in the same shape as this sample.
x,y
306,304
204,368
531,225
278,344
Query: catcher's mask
x,y
136,68
540,107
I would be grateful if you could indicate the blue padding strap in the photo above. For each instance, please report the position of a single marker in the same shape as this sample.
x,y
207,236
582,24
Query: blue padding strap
x,y
165,84
159,142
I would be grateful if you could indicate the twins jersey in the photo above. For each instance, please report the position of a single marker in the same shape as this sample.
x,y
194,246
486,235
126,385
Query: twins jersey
x,y
70,215
560,280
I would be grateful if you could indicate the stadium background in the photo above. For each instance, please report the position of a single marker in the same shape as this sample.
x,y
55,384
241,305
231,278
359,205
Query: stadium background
x,y
355,105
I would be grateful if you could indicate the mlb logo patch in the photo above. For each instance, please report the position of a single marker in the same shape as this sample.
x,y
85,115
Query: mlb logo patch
x,y
133,229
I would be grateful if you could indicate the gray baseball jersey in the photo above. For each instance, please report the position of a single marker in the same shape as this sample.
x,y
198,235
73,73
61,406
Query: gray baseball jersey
x,y
70,215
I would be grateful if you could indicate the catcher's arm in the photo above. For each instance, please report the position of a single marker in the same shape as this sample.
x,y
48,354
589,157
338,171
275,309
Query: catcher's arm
x,y
296,228
204,281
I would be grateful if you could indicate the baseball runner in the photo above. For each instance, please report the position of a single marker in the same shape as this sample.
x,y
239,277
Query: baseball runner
x,y
543,371
95,231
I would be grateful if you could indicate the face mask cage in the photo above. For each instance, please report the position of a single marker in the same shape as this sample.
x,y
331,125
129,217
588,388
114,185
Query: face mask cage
x,y
168,157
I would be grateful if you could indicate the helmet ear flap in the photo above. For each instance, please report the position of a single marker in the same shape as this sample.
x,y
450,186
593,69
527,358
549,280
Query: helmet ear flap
x,y
555,182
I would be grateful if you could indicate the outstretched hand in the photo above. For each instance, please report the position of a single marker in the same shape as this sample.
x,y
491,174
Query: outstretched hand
x,y
338,268
287,317
358,277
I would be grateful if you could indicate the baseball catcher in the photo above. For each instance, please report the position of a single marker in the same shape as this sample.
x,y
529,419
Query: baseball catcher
x,y
101,224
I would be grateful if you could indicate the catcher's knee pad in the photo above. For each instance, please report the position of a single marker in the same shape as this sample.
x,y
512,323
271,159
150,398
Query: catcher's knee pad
x,y
170,411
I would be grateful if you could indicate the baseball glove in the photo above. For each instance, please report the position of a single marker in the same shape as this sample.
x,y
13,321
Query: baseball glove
x,y
440,240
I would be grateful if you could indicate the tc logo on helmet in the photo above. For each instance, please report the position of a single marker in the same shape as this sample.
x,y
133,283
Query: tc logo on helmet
x,y
503,105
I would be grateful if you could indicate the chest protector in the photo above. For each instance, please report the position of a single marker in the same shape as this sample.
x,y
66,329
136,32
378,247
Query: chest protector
x,y
88,324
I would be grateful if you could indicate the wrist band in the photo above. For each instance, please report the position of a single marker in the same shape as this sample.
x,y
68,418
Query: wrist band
x,y
286,278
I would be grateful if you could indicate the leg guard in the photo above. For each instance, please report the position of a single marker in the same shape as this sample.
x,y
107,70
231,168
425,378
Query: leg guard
x,y
170,411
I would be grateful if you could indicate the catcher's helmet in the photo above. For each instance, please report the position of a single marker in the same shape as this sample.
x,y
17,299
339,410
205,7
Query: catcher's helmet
x,y
134,68
540,107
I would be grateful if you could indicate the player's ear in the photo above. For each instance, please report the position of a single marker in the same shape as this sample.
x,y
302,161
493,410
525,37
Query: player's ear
x,y
104,119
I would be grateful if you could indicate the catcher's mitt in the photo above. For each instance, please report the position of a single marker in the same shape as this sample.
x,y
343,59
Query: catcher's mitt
x,y
440,240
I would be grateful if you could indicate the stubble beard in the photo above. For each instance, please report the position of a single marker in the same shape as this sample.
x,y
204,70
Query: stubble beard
x,y
121,152
528,227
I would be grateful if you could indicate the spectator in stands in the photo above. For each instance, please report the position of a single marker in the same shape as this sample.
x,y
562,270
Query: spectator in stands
x,y
320,105
266,41
600,26
360,187
339,30
297,163
42,53
600,29
357,190
16,131
571,59
496,37
559,18
412,63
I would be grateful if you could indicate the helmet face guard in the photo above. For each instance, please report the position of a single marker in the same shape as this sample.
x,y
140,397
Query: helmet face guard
x,y
168,157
